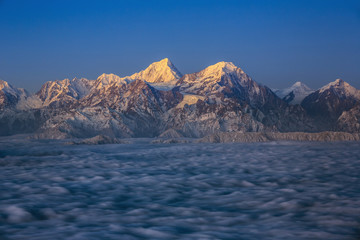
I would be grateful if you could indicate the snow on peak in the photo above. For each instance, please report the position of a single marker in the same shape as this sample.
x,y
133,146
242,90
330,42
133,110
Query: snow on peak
x,y
164,61
6,87
338,83
105,80
339,80
82,86
223,64
105,77
3,84
300,85
215,78
158,72
62,90
10,94
341,87
215,72
220,68
299,91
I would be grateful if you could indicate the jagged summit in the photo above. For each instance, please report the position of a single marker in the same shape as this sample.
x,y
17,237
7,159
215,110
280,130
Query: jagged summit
x,y
329,102
9,89
9,95
158,72
64,91
164,61
341,87
338,83
105,80
3,84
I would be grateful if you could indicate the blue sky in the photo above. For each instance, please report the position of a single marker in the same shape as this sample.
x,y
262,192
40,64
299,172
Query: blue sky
x,y
276,42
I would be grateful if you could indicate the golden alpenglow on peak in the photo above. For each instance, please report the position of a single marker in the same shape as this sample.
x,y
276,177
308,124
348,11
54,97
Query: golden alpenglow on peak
x,y
3,84
157,72
220,68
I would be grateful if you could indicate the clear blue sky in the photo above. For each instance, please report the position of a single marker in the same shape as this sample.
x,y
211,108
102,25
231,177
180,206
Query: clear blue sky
x,y
275,42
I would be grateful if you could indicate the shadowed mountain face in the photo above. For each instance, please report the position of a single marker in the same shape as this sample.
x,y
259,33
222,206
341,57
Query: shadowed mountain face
x,y
10,96
161,101
328,103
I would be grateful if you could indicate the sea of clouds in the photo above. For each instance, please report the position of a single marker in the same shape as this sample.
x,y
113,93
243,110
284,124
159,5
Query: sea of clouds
x,y
276,190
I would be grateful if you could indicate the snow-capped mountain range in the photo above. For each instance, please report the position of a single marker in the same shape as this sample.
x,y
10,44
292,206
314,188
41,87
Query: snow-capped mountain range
x,y
160,101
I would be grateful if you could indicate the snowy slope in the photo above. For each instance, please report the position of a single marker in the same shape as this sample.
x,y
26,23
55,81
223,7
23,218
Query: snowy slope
x,y
158,72
63,92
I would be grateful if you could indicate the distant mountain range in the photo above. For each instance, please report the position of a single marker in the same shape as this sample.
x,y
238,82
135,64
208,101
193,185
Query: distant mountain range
x,y
160,101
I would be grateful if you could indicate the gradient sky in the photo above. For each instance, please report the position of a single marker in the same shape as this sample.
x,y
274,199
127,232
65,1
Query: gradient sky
x,y
276,42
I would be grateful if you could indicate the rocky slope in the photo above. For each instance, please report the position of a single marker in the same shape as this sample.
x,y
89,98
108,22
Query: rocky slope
x,y
349,121
328,103
239,103
225,80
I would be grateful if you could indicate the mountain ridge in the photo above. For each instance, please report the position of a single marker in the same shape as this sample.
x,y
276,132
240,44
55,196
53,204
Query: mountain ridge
x,y
160,101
